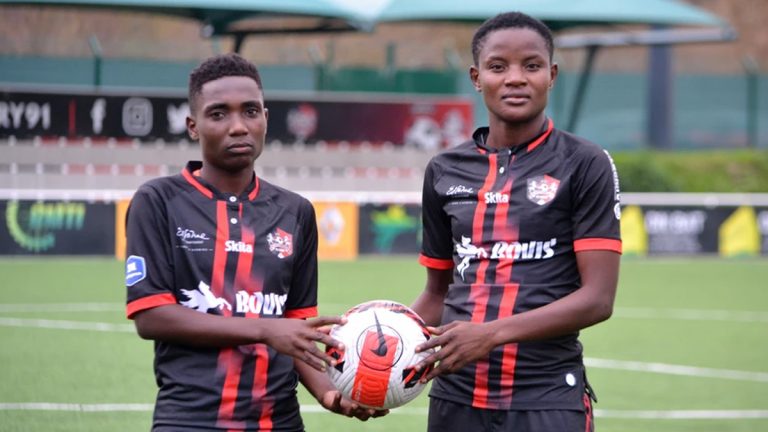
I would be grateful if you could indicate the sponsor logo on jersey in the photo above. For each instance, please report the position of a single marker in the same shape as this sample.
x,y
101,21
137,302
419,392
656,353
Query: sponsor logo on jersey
x,y
238,246
260,303
542,189
135,270
531,250
189,236
496,198
459,189
467,251
616,189
202,299
280,243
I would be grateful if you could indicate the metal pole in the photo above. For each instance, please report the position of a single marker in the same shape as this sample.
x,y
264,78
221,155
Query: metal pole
x,y
581,88
659,126
93,41
751,74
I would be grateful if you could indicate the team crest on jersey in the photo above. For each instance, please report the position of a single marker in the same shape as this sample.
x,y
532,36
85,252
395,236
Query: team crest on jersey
x,y
542,189
280,243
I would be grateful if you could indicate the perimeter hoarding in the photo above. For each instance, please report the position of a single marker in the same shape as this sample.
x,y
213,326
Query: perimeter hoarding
x,y
692,230
57,228
347,230
426,122
390,229
337,227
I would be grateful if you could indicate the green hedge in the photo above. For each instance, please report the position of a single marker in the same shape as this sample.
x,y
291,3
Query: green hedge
x,y
699,171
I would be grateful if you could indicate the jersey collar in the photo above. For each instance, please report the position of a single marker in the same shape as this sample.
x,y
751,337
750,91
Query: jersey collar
x,y
191,175
481,135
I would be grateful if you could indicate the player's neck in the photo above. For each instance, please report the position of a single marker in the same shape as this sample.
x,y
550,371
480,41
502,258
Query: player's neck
x,y
225,181
503,134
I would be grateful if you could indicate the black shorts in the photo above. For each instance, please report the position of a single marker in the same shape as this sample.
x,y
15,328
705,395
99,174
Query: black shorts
x,y
446,416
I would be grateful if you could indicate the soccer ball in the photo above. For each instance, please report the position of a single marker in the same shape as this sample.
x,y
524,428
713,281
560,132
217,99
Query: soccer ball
x,y
377,367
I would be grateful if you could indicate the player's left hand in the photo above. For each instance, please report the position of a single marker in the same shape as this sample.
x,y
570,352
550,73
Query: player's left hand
x,y
459,343
333,401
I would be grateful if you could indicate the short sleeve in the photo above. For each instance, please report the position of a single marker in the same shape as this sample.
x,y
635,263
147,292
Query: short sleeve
x,y
597,205
437,241
148,266
302,297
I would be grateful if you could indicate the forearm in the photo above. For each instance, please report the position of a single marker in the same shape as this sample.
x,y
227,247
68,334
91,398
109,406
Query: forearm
x,y
588,305
567,315
177,324
316,382
429,304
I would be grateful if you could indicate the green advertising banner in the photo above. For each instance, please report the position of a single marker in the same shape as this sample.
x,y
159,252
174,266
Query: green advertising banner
x,y
57,228
390,229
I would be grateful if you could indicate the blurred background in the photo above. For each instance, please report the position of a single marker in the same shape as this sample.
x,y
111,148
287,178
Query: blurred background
x,y
361,95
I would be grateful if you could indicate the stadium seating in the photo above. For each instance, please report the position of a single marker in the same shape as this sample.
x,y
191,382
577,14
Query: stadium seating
x,y
88,165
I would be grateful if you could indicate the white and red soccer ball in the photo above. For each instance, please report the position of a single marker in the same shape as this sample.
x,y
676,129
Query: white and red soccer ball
x,y
378,367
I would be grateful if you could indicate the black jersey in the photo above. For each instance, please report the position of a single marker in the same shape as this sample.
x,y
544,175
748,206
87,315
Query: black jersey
x,y
509,222
252,256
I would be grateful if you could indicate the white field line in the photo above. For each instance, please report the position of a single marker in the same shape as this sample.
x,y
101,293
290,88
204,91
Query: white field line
x,y
691,314
683,414
634,366
61,307
66,325
670,369
419,411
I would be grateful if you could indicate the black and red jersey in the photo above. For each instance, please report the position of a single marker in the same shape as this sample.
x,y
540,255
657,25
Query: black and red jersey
x,y
252,256
509,223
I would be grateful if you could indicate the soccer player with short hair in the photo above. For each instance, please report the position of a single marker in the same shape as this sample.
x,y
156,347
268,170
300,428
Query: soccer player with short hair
x,y
222,274
522,246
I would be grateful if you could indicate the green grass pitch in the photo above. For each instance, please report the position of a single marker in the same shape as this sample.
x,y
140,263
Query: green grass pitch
x,y
686,349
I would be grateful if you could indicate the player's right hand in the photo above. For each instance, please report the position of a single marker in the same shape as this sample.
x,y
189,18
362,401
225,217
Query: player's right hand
x,y
298,338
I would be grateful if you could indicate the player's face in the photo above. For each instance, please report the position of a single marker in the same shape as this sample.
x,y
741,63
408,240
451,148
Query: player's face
x,y
514,74
230,122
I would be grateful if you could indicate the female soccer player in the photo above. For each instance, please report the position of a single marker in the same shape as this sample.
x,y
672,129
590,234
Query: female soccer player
x,y
521,244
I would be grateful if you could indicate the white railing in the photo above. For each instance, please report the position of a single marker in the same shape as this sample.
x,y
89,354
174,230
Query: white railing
x,y
412,197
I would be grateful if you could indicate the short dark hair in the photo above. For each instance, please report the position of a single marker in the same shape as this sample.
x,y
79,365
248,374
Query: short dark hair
x,y
216,67
510,20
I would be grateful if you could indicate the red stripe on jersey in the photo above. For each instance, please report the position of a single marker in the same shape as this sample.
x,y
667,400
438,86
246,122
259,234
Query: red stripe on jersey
x,y
479,295
220,253
243,279
149,302
259,389
539,140
232,361
255,192
244,282
502,230
372,376
435,263
587,244
307,312
509,356
490,180
193,181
